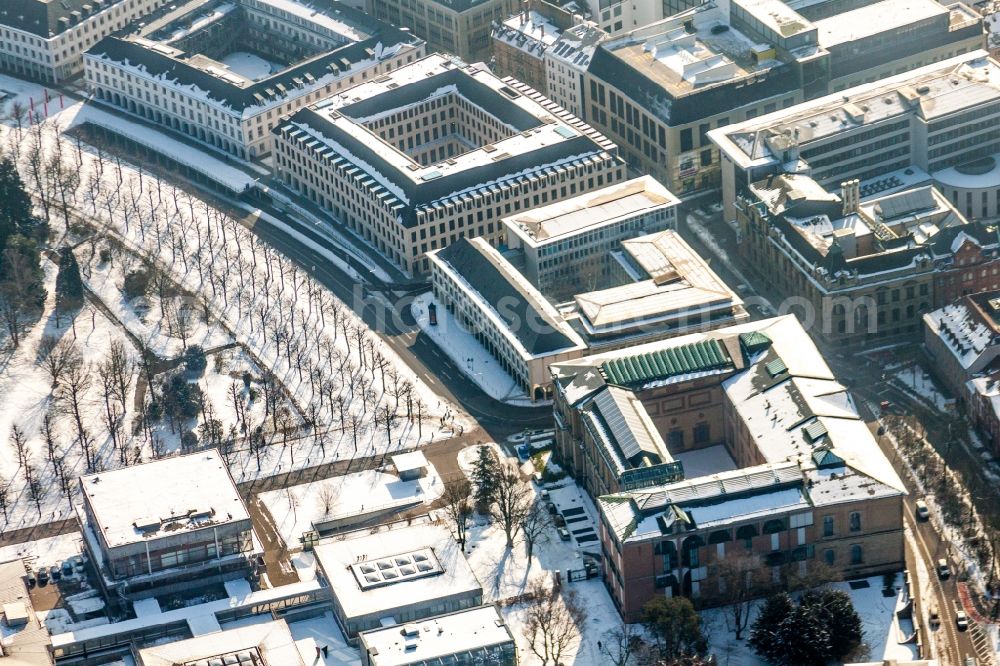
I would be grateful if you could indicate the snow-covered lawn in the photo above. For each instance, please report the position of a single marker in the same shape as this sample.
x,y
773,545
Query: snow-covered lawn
x,y
338,372
878,620
249,65
27,395
295,509
164,327
471,357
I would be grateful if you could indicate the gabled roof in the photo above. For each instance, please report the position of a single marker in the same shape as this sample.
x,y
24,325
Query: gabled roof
x,y
622,422
702,355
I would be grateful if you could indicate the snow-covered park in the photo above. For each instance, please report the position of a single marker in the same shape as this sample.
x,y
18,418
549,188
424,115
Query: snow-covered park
x,y
347,393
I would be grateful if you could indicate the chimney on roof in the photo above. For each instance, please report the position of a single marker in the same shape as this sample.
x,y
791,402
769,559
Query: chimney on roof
x,y
850,193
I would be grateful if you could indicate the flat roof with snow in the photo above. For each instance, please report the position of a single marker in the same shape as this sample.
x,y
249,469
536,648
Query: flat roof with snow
x,y
409,462
565,219
160,498
436,637
876,18
265,644
342,562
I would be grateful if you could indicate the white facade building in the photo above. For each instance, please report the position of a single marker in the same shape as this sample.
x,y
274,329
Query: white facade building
x,y
45,39
190,73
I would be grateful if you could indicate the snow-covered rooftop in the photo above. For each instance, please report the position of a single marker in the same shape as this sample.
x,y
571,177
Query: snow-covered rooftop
x,y
969,328
531,125
337,560
939,89
678,284
263,644
528,31
588,212
803,422
876,18
409,462
436,637
160,498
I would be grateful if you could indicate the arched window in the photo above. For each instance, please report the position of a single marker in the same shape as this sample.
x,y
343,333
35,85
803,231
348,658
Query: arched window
x,y
774,525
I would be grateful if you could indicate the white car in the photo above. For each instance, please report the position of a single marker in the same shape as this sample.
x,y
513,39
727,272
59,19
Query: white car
x,y
920,508
943,570
961,620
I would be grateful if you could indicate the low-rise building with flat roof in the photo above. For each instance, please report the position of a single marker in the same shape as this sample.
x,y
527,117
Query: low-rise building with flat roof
x,y
474,636
166,524
263,644
507,315
397,575
567,245
25,639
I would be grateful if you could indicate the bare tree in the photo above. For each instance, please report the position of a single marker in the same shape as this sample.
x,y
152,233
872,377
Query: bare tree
x,y
512,503
71,396
56,354
328,495
536,527
739,581
20,444
4,496
457,498
553,623
622,645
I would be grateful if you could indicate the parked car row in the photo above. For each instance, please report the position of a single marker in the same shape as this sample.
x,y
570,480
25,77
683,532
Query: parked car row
x,y
41,576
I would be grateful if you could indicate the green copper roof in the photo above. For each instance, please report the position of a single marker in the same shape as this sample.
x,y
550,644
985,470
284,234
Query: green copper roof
x,y
695,357
754,342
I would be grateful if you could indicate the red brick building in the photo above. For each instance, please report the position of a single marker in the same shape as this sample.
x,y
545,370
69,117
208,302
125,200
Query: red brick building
x,y
735,447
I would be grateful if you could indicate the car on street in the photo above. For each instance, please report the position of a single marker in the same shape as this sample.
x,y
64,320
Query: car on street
x,y
943,570
564,534
961,620
921,510
524,452
934,618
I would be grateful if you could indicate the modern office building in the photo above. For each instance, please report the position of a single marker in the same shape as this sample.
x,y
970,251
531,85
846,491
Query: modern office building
x,y
473,636
459,27
658,90
399,573
567,245
46,39
737,444
937,124
656,287
226,72
436,151
160,526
